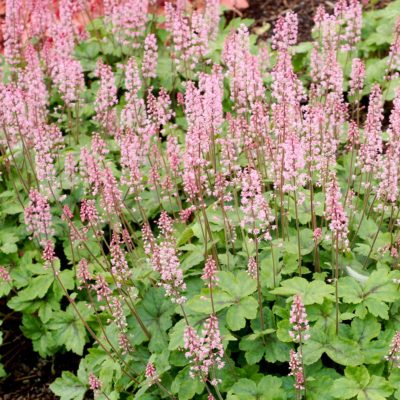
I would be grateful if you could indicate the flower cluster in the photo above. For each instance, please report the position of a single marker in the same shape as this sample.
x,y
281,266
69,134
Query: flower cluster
x,y
394,352
38,217
336,214
298,319
257,214
164,259
296,370
204,351
210,272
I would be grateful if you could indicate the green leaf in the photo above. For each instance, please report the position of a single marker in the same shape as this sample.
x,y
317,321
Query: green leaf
x,y
244,389
185,386
238,313
378,389
378,290
155,312
238,286
268,388
37,287
344,388
340,349
311,292
69,329
68,387
358,382
42,339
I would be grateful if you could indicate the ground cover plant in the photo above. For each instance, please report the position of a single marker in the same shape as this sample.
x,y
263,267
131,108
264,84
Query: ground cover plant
x,y
198,215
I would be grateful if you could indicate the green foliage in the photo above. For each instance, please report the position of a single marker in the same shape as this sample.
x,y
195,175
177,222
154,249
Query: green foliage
x,y
351,329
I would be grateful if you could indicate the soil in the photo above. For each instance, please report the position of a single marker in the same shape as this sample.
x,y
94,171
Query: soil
x,y
29,375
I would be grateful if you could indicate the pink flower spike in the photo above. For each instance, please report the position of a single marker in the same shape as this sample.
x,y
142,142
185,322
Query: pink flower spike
x,y
394,352
151,373
285,32
296,370
149,64
298,319
209,272
94,384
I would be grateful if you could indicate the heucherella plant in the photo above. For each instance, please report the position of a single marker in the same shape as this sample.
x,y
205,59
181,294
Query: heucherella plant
x,y
199,216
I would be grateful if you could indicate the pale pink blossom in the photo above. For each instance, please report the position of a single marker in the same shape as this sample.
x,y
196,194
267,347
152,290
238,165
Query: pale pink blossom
x,y
335,213
296,370
210,272
394,352
299,321
150,55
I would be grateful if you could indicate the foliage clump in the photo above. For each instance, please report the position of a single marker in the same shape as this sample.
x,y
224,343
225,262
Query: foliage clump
x,y
199,216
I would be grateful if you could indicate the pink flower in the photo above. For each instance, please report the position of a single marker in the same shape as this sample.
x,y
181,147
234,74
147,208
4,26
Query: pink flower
x,y
209,272
13,30
371,148
212,17
293,160
112,195
189,36
285,32
151,373
394,55
95,384
164,259
212,340
357,76
388,188
38,217
298,319
32,80
159,108
335,212
246,84
120,268
48,253
257,214
394,352
5,275
65,70
102,289
252,267
128,20
106,98
173,153
296,370
118,317
204,352
149,63
186,214
349,14
82,273
317,234
89,212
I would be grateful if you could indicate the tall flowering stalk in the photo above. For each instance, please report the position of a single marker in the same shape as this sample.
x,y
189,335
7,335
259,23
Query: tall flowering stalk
x,y
257,219
394,353
206,351
164,259
299,334
338,224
